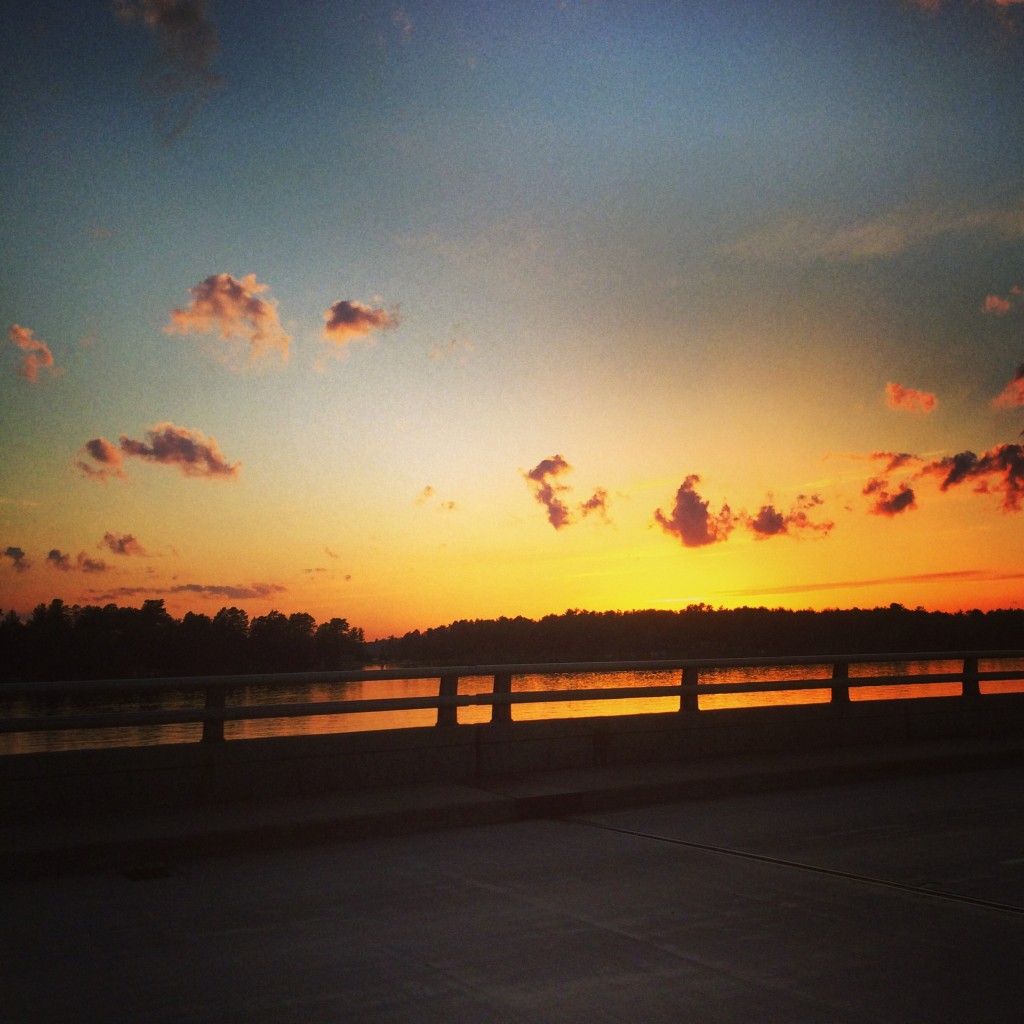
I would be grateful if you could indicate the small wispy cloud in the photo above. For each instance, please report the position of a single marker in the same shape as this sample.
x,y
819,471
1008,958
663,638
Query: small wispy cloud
x,y
238,592
1013,394
234,311
899,397
804,238
37,357
772,522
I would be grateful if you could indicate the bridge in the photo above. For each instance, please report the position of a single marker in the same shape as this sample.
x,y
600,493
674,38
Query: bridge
x,y
848,860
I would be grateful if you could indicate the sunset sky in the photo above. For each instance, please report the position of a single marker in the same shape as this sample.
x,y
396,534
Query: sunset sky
x,y
413,312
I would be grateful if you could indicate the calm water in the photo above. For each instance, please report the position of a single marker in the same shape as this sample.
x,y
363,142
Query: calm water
x,y
147,735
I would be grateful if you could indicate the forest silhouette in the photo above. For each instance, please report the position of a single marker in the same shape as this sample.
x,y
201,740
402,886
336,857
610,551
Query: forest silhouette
x,y
62,642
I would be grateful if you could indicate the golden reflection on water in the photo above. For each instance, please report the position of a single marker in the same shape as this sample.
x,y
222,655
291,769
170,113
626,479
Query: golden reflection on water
x,y
14,743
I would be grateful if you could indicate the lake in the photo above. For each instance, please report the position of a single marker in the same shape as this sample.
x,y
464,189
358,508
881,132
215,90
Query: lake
x,y
13,743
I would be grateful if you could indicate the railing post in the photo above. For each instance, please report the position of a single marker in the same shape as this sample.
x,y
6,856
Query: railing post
x,y
448,714
840,682
969,687
688,698
501,713
213,728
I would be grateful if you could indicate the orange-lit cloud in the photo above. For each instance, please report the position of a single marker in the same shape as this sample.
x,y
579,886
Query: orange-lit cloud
x,y
1000,471
692,522
994,304
183,76
17,557
166,444
543,481
122,544
233,593
887,503
37,355
83,563
1013,394
347,321
770,522
223,304
900,397
108,458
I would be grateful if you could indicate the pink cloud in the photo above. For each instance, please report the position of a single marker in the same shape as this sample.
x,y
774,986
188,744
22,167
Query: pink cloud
x,y
37,354
994,304
221,304
1013,394
189,450
692,522
900,397
165,444
109,458
546,490
348,320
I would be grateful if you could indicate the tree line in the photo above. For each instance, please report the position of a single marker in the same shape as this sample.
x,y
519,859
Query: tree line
x,y
701,631
58,641
64,642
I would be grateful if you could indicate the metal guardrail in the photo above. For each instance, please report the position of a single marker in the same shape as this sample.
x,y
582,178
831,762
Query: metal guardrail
x,y
501,698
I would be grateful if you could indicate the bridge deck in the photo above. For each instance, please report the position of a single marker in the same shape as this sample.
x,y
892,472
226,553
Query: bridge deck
x,y
888,885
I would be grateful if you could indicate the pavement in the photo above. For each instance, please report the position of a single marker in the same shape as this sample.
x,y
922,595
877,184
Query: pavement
x,y
871,884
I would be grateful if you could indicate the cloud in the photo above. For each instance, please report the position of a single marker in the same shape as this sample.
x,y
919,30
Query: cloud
x,y
122,544
189,450
37,354
1013,394
223,304
957,576
770,522
17,557
692,522
347,321
83,563
108,456
900,397
425,495
543,481
809,239
182,76
234,593
886,503
1000,471
597,504
542,478
166,444
994,304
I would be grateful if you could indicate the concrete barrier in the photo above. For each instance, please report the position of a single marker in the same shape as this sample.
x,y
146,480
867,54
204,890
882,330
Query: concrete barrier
x,y
47,784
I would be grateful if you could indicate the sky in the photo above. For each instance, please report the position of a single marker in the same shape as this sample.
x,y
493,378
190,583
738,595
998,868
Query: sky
x,y
416,312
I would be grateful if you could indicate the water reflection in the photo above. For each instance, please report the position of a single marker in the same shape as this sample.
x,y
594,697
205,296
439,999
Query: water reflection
x,y
145,735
